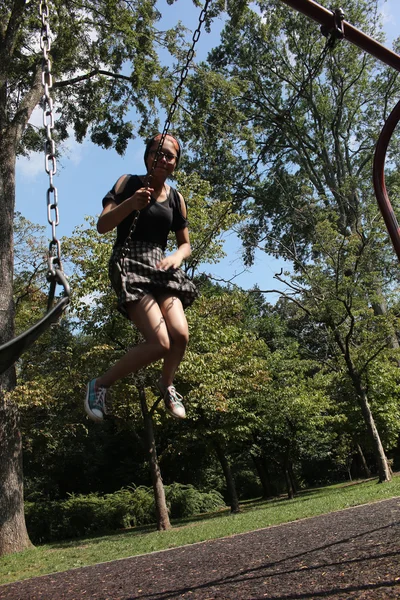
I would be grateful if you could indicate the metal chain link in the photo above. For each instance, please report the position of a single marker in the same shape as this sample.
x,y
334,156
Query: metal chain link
x,y
329,44
54,256
171,112
332,37
178,91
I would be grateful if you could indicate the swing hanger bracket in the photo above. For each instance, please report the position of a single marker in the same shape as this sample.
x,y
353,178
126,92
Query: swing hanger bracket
x,y
336,32
53,264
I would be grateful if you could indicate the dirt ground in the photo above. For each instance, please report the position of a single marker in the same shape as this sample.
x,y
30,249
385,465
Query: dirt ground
x,y
352,553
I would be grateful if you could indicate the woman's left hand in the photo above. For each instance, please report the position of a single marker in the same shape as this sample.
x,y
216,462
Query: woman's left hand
x,y
173,261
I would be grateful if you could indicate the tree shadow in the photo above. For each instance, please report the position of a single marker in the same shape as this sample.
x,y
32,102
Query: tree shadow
x,y
253,574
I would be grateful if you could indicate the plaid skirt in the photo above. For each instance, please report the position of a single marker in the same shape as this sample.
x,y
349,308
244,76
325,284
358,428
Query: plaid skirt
x,y
133,275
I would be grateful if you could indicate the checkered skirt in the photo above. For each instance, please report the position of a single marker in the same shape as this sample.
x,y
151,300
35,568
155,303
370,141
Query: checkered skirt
x,y
133,274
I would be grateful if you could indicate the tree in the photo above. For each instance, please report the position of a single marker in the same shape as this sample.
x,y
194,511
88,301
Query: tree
x,y
104,63
357,337
296,416
296,156
94,305
225,372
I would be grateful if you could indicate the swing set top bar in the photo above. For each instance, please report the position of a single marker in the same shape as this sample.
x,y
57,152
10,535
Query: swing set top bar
x,y
333,21
327,19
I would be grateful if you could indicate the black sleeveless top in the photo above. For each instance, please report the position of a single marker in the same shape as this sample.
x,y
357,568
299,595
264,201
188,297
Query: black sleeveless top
x,y
155,220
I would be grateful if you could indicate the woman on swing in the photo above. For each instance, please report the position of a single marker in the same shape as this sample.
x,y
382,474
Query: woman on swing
x,y
152,290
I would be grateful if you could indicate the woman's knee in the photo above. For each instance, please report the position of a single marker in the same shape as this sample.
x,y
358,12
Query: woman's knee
x,y
175,319
163,344
181,338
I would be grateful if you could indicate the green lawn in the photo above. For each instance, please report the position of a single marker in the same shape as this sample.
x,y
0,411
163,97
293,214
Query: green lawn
x,y
71,554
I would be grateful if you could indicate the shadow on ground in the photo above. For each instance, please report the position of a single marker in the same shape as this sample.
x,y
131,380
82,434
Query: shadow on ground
x,y
352,553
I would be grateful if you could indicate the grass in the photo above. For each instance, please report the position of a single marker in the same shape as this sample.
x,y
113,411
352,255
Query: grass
x,y
256,514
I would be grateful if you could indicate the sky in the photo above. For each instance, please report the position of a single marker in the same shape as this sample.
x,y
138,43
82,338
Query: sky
x,y
86,172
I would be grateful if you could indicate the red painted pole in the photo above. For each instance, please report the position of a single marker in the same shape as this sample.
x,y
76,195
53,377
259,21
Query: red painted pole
x,y
326,18
329,21
379,178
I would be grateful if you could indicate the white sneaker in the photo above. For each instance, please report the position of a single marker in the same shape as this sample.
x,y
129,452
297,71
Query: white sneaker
x,y
95,401
172,401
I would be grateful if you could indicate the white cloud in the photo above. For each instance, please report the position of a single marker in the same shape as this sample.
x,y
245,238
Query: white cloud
x,y
72,150
390,14
34,164
30,166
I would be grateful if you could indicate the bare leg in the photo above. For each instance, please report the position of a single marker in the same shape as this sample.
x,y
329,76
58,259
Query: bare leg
x,y
148,318
175,319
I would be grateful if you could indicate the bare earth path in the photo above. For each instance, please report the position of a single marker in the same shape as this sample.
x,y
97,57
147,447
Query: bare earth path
x,y
348,554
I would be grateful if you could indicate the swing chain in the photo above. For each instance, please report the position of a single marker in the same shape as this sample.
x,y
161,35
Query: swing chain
x,y
336,32
178,91
171,112
280,118
54,255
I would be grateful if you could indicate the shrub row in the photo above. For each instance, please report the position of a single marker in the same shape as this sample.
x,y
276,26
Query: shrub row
x,y
78,515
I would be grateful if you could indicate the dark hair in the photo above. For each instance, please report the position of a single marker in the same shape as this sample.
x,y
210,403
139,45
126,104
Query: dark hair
x,y
157,138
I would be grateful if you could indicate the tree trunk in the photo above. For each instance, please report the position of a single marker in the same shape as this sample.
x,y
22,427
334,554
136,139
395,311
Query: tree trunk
x,y
230,482
163,522
363,461
382,463
263,476
13,534
292,476
289,488
289,483
349,463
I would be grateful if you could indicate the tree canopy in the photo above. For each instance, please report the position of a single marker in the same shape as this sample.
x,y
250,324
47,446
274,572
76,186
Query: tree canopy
x,y
281,131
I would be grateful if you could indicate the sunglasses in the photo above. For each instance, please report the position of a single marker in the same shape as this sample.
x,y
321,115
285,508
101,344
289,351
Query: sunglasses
x,y
167,155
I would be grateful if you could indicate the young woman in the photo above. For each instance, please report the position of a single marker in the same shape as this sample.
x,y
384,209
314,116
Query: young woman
x,y
152,290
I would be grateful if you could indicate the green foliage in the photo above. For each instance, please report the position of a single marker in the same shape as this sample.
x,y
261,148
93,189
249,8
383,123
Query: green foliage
x,y
81,515
278,382
209,219
106,68
93,550
296,156
30,269
43,520
186,500
262,380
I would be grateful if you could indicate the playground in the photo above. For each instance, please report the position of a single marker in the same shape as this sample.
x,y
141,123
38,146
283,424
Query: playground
x,y
352,553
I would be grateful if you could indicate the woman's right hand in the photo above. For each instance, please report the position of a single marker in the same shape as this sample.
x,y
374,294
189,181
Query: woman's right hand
x,y
141,198
114,213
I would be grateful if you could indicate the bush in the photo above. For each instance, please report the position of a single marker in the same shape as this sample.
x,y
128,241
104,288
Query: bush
x,y
84,515
130,508
186,500
79,515
42,520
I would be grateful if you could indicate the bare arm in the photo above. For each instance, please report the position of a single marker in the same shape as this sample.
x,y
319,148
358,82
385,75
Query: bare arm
x,y
114,213
182,236
184,250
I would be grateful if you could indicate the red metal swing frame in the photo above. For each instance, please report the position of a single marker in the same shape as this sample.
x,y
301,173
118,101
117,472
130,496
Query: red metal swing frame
x,y
332,21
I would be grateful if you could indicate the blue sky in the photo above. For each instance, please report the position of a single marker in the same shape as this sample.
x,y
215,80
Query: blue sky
x,y
86,172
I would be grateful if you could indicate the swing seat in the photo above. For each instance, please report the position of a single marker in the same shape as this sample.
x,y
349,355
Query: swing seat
x,y
12,350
